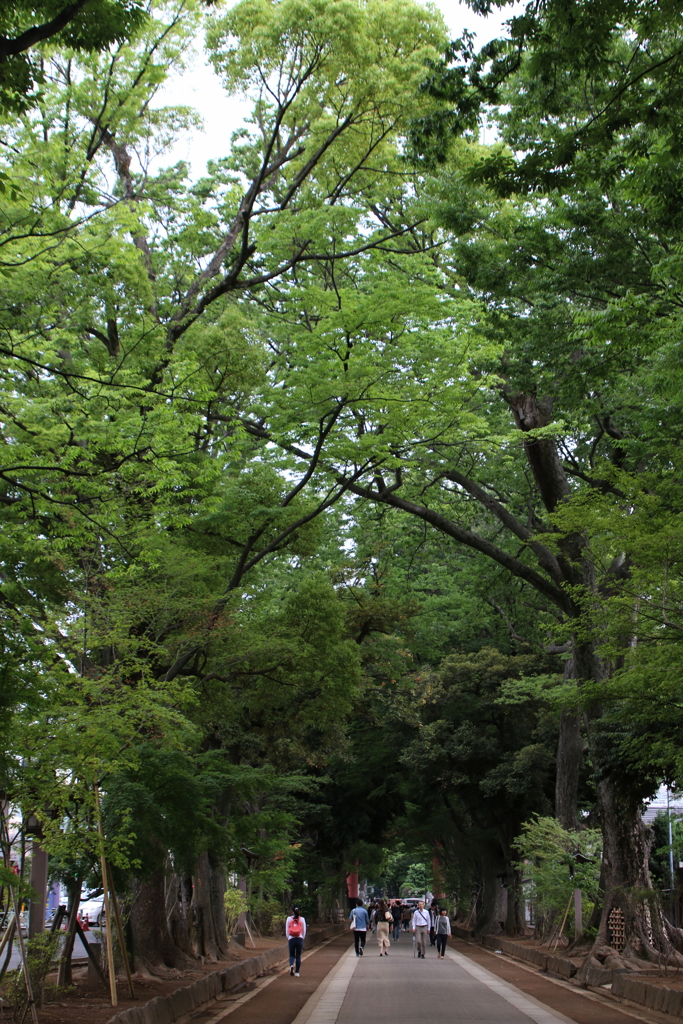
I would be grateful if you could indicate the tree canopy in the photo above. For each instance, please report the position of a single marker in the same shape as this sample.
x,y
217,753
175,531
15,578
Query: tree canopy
x,y
340,486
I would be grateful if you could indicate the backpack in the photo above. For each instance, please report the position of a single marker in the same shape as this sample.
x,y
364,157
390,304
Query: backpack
x,y
295,928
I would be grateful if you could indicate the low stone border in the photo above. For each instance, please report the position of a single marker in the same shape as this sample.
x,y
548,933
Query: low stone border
x,y
167,1009
560,965
529,953
623,984
655,997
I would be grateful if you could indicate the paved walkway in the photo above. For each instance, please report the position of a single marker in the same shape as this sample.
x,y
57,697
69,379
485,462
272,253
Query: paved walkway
x,y
471,986
399,987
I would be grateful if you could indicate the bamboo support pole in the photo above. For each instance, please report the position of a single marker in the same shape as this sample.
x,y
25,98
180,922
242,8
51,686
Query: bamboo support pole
x,y
107,907
564,920
24,961
122,941
7,936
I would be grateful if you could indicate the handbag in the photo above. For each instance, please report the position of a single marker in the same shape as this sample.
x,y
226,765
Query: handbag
x,y
352,926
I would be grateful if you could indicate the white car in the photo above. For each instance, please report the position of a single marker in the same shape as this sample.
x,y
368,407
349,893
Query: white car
x,y
94,909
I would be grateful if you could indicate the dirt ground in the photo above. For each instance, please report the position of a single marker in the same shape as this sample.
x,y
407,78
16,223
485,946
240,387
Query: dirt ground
x,y
92,1006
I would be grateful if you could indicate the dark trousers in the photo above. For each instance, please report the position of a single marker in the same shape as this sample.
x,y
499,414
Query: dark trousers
x,y
296,946
359,939
441,941
432,936
397,930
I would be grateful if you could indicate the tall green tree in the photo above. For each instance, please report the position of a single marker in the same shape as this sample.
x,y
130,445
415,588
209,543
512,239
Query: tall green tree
x,y
573,313
145,527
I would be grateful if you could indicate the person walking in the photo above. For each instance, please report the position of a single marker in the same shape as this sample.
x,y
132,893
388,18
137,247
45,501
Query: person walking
x,y
383,917
396,920
295,930
421,924
405,916
360,922
442,929
433,916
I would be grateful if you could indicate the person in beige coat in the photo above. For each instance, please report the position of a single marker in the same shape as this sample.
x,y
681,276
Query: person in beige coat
x,y
383,918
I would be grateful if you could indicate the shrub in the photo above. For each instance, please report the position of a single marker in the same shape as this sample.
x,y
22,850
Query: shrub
x,y
554,862
235,904
41,955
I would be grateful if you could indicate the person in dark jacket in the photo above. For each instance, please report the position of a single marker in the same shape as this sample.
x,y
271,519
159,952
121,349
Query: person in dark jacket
x,y
359,916
433,916
396,920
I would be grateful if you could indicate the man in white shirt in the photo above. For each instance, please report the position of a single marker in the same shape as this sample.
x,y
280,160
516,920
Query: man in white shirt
x,y
421,923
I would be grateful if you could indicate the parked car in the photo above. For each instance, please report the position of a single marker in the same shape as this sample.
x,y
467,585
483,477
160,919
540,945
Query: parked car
x,y
93,908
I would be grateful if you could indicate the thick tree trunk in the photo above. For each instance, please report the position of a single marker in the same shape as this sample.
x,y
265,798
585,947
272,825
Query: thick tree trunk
x,y
492,907
218,887
626,846
625,872
209,935
64,977
153,946
531,413
515,923
178,912
569,757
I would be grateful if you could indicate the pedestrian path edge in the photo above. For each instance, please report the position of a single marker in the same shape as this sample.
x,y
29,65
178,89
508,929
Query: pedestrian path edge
x,y
526,1004
326,1002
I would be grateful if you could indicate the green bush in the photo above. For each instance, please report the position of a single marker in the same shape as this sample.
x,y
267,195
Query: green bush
x,y
554,861
268,915
235,904
41,955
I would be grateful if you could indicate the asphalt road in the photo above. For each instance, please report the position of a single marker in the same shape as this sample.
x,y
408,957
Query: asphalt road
x,y
79,950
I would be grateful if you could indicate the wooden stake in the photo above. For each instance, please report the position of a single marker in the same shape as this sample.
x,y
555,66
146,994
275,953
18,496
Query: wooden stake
x,y
107,907
251,937
84,939
122,941
8,934
559,934
24,962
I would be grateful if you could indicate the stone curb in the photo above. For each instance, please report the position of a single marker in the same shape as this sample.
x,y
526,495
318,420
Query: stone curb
x,y
563,966
655,997
624,985
529,953
167,1009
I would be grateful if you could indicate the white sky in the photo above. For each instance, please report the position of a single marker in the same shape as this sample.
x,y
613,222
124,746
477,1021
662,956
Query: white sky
x,y
198,87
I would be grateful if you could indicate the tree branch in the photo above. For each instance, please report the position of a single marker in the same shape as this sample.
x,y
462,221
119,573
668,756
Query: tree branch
x,y
546,558
472,540
36,34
